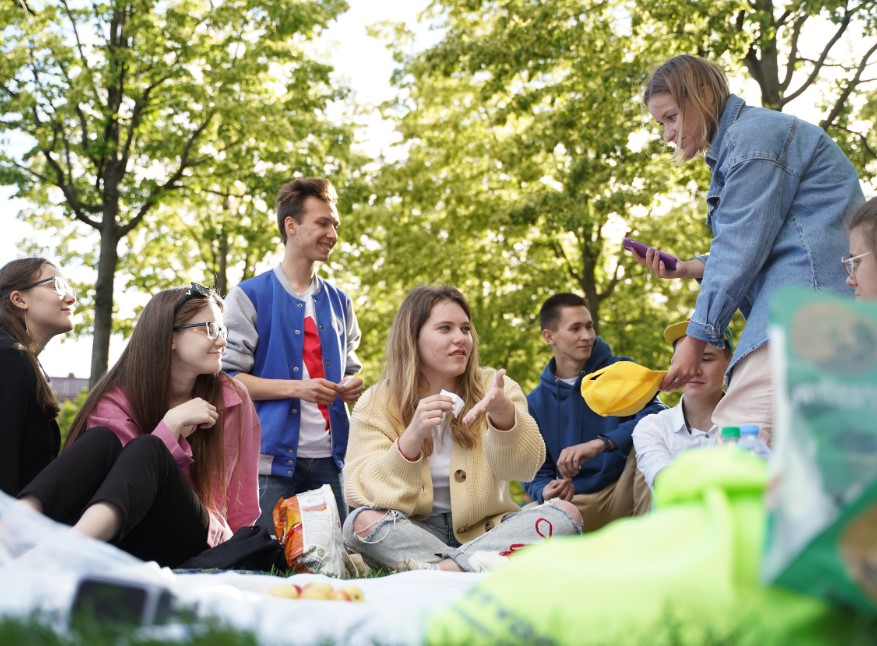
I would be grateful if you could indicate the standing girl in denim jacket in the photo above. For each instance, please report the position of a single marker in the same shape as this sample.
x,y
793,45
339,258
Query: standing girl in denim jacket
x,y
779,194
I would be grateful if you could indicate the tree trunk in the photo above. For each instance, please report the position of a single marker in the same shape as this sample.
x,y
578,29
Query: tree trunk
x,y
588,285
222,274
103,299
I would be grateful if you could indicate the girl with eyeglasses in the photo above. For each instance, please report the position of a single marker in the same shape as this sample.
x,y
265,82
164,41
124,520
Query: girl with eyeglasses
x,y
780,189
861,265
162,458
35,305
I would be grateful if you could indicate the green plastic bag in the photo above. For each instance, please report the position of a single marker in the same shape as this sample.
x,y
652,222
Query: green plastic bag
x,y
686,574
822,536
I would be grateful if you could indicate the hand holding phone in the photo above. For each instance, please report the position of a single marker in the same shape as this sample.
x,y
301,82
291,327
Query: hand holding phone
x,y
669,260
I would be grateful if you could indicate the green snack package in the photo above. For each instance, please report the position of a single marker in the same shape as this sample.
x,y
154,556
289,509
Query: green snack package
x,y
685,574
822,532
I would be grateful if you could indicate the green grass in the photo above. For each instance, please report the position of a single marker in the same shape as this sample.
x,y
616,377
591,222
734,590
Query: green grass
x,y
34,632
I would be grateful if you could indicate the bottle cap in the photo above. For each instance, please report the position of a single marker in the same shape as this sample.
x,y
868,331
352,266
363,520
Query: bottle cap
x,y
749,429
730,431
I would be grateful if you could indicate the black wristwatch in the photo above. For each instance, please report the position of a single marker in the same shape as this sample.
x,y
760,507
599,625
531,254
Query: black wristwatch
x,y
607,445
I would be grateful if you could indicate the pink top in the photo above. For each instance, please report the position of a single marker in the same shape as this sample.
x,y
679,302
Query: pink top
x,y
239,493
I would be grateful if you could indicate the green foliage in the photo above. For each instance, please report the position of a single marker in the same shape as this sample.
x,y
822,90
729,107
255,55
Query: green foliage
x,y
68,412
527,155
519,495
521,175
119,109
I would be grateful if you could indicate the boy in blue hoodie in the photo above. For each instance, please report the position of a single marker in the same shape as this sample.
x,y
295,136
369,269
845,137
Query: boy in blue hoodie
x,y
589,459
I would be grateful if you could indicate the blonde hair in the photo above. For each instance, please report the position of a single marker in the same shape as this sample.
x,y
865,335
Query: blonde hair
x,y
401,374
695,81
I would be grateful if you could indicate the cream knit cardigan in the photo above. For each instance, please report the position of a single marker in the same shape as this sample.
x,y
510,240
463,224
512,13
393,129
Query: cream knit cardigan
x,y
376,474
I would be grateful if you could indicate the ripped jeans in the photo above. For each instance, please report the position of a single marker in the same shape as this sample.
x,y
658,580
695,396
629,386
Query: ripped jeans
x,y
396,537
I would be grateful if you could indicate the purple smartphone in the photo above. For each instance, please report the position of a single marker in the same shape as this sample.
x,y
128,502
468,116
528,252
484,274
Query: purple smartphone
x,y
668,259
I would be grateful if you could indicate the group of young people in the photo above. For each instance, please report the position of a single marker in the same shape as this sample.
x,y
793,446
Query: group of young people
x,y
218,408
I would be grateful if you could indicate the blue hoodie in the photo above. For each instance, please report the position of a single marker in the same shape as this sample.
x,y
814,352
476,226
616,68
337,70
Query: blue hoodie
x,y
565,419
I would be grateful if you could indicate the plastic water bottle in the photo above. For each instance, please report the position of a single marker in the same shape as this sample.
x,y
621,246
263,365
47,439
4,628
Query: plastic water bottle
x,y
730,435
749,441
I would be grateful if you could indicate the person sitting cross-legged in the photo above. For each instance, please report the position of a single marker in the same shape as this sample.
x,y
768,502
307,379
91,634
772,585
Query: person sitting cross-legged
x,y
590,461
430,488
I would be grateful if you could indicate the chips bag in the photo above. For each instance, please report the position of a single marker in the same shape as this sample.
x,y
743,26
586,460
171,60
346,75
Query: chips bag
x,y
822,532
309,528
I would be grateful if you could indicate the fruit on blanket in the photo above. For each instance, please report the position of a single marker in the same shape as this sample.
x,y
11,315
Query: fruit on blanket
x,y
354,592
284,590
317,591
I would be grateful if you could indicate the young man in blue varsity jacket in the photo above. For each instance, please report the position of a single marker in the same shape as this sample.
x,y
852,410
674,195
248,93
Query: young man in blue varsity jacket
x,y
292,342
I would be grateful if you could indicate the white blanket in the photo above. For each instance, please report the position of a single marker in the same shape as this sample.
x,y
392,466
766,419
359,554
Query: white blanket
x,y
42,562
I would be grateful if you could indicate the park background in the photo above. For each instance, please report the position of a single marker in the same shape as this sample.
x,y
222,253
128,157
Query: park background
x,y
499,146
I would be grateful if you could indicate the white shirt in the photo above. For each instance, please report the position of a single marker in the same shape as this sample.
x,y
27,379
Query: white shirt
x,y
440,468
658,438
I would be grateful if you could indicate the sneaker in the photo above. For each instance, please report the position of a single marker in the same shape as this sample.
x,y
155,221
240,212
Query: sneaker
x,y
411,564
485,561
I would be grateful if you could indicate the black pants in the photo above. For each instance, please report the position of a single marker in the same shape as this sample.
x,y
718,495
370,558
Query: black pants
x,y
162,518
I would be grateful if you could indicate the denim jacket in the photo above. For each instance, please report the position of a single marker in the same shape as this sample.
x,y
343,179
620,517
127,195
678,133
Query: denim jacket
x,y
780,192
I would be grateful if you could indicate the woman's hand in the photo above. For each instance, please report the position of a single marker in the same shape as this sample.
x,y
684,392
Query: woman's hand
x,y
184,419
686,361
495,402
684,268
427,416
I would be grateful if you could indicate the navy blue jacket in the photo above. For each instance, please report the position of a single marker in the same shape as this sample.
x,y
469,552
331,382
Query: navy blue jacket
x,y
565,419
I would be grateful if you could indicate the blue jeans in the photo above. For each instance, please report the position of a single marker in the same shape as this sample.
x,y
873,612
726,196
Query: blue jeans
x,y
310,473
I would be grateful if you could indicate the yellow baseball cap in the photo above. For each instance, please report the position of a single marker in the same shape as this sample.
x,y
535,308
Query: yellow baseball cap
x,y
621,389
672,333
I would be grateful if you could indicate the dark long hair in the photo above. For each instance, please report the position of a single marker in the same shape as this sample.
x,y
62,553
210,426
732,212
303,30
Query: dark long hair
x,y
143,373
14,275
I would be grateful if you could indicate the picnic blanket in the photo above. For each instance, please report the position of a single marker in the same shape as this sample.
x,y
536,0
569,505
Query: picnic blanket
x,y
41,563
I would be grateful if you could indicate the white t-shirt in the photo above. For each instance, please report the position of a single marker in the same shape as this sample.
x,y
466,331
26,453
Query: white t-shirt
x,y
314,441
440,469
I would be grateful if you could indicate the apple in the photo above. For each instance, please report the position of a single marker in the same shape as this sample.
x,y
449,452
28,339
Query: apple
x,y
340,595
284,590
354,592
317,591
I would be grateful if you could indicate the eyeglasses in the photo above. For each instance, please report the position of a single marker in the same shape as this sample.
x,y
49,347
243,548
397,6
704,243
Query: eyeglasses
x,y
58,284
195,290
851,264
214,329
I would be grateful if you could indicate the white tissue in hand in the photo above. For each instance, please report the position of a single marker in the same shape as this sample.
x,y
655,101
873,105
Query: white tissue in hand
x,y
457,406
455,398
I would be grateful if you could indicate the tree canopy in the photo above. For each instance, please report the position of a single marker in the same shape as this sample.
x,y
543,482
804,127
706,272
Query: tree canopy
x,y
525,156
112,108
